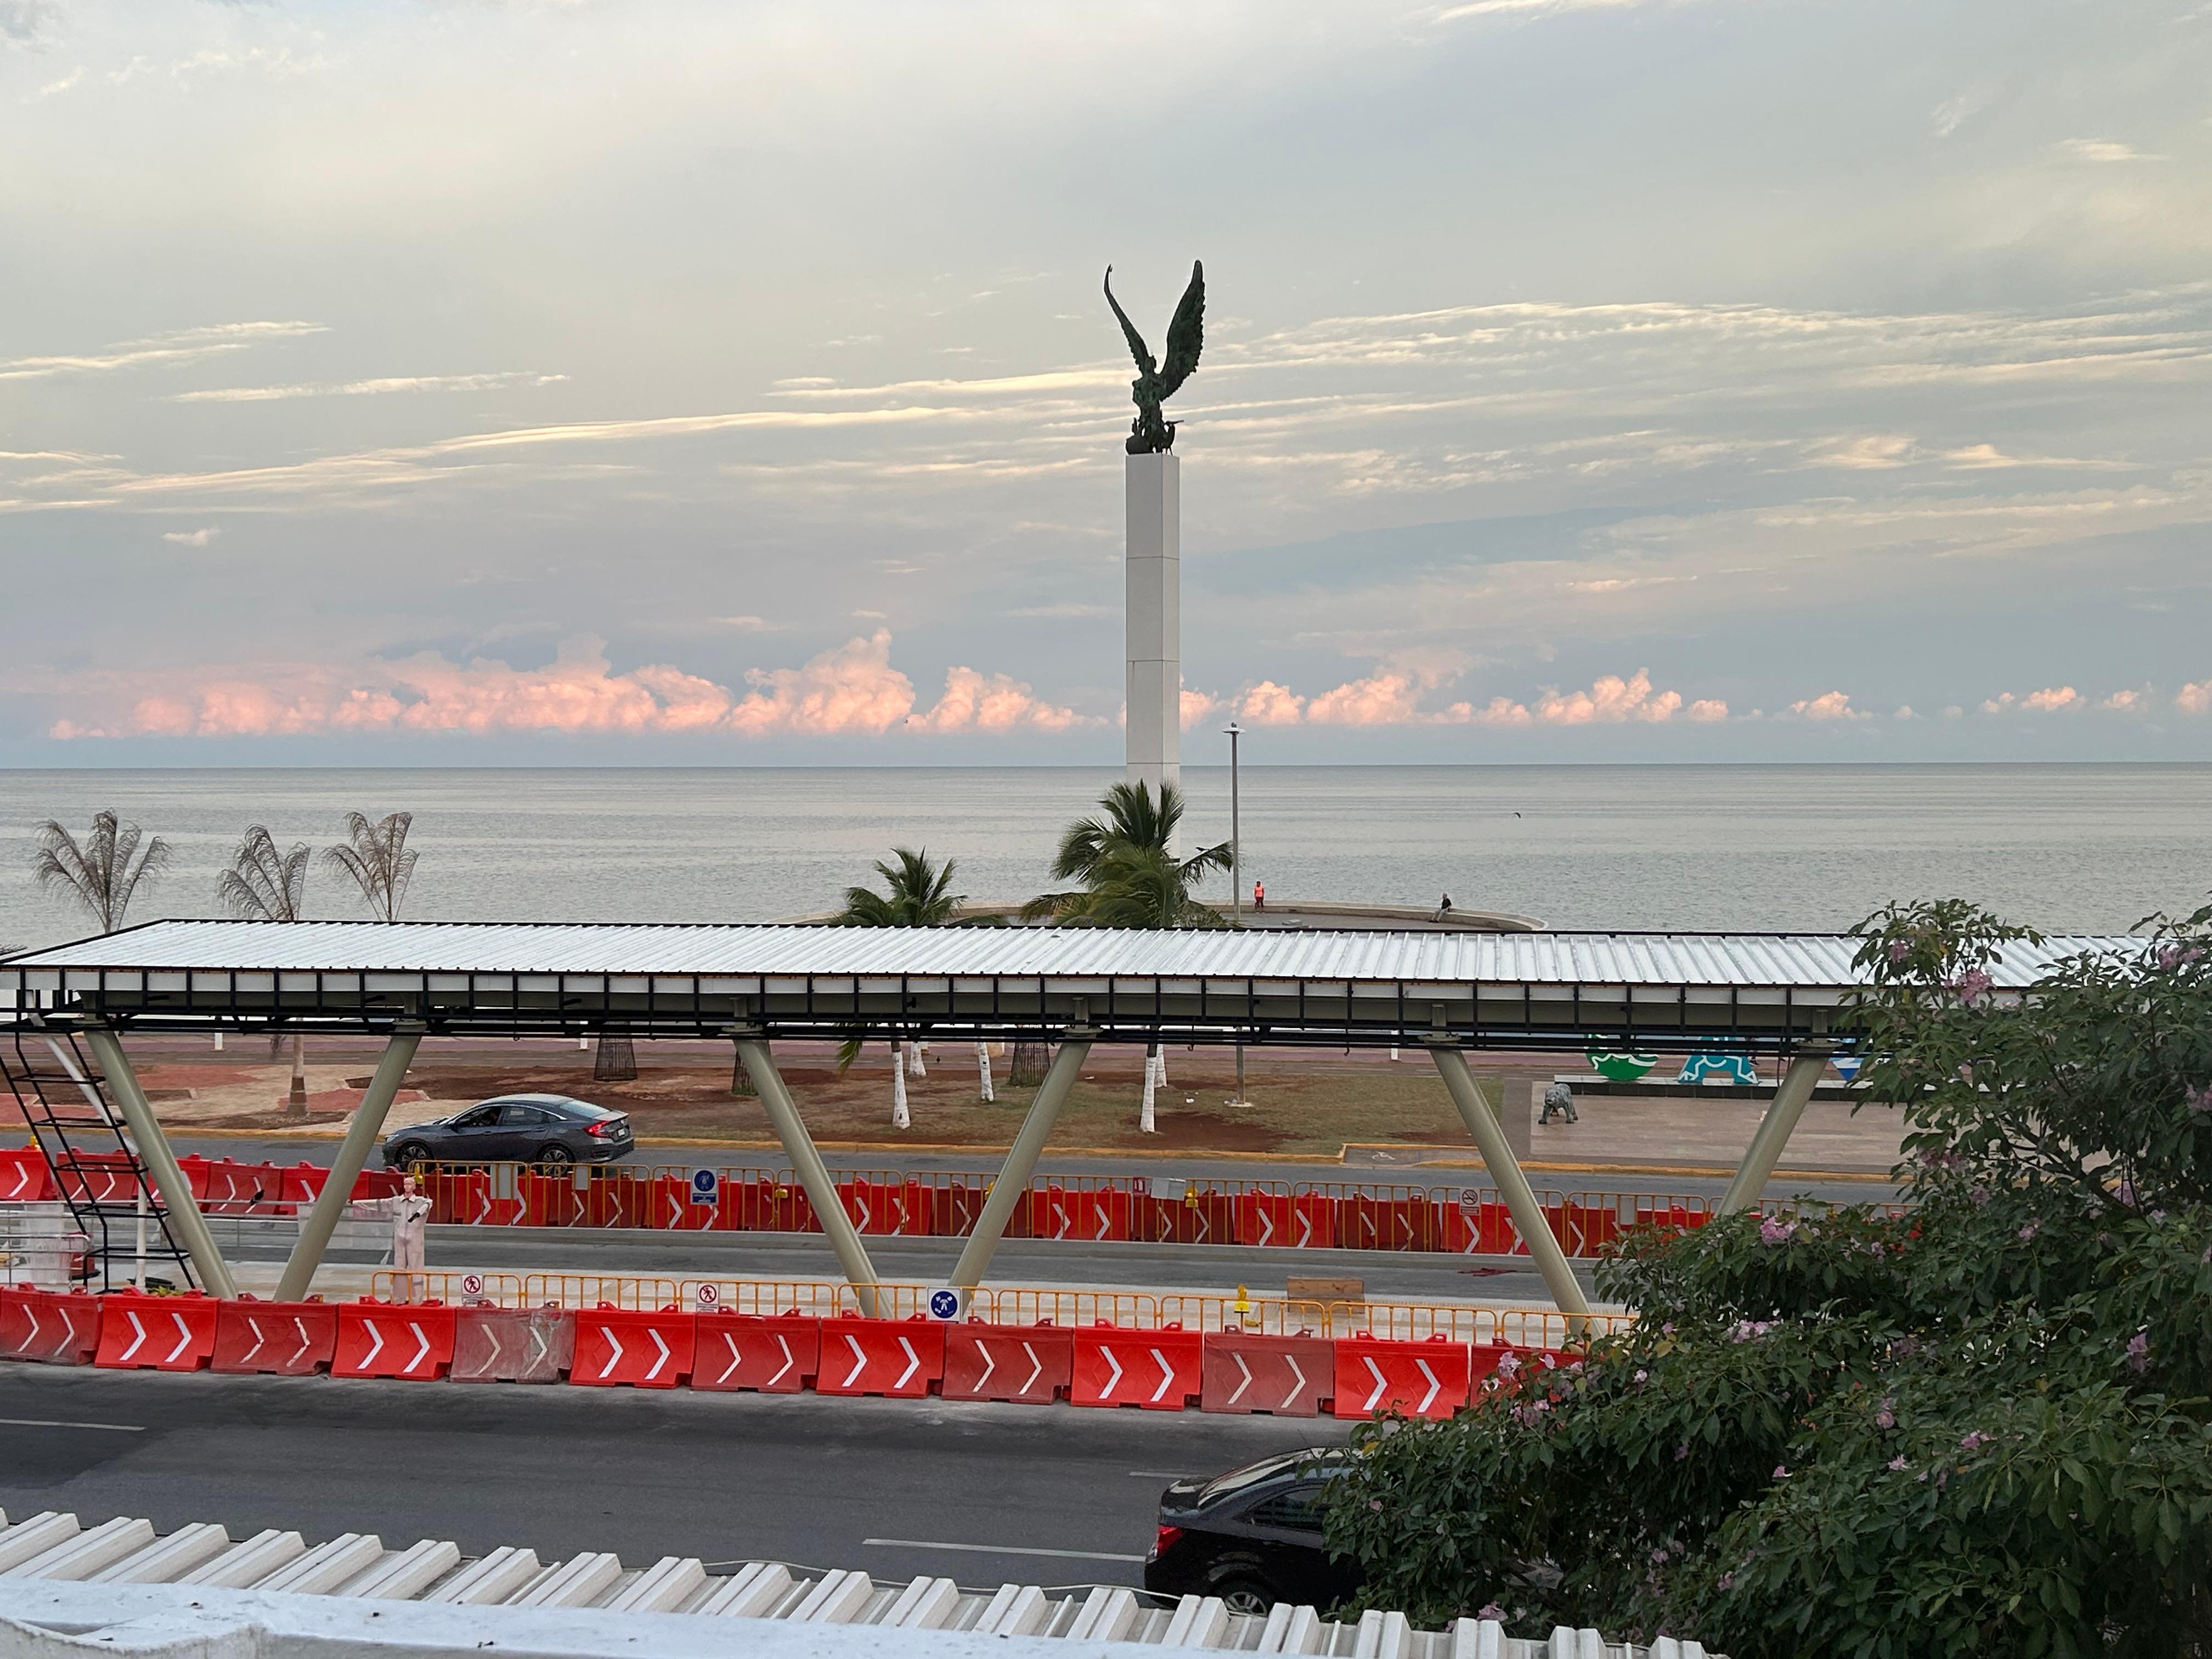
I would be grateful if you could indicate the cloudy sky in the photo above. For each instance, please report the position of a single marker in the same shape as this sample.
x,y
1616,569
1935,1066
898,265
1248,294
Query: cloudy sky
x,y
1584,379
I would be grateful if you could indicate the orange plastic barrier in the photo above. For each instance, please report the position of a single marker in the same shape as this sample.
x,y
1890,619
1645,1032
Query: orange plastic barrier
x,y
900,1358
1298,1221
1025,1365
1095,1217
629,1345
512,1345
1422,1379
901,1206
762,1353
23,1176
51,1327
283,1339
1160,1370
410,1339
156,1333
1266,1376
1484,1229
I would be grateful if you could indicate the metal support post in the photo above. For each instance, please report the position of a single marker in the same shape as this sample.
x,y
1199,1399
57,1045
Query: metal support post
x,y
153,1148
1512,1185
1014,1174
364,1132
806,1163
1774,1130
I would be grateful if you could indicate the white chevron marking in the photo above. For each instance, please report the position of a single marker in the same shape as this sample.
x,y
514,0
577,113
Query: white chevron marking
x,y
783,1343
1241,1386
422,1350
913,1362
1298,1386
990,1364
665,1355
375,1344
1037,1367
859,1361
253,1325
1107,1391
1435,1387
614,1359
183,1338
1167,1375
1375,1371
137,1342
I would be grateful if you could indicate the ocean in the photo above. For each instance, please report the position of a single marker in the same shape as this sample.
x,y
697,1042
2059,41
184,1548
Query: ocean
x,y
2064,847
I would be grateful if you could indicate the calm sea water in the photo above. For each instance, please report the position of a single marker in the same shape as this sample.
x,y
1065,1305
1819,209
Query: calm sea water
x,y
2075,847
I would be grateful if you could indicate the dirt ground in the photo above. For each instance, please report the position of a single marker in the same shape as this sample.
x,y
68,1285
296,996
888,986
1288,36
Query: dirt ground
x,y
1312,1103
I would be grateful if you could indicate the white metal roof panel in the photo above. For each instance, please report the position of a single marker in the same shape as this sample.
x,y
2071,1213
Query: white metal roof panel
x,y
1742,960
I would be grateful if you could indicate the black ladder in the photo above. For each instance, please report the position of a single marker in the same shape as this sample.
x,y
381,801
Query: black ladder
x,y
97,1172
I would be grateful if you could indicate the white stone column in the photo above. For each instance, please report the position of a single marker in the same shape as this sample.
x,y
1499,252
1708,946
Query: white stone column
x,y
1154,609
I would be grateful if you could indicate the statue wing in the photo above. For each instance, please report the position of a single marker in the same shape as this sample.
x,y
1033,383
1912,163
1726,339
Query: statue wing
x,y
1138,348
1186,334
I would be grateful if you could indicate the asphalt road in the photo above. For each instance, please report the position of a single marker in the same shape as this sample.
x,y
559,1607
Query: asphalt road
x,y
1039,1495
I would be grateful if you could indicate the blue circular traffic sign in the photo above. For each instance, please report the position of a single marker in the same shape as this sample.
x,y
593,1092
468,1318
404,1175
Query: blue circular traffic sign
x,y
945,1305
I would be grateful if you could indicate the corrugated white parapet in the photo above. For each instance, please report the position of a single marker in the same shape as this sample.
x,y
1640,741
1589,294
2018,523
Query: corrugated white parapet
x,y
120,1584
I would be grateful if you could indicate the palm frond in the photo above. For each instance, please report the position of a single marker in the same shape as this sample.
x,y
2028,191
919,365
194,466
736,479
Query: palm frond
x,y
103,872
378,860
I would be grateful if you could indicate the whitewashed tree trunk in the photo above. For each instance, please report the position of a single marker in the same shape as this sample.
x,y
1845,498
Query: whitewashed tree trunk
x,y
1146,1122
914,1066
901,1119
1393,1054
1160,1066
299,1095
983,1090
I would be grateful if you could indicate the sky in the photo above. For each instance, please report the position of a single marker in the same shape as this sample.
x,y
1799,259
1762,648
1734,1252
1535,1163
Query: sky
x,y
662,382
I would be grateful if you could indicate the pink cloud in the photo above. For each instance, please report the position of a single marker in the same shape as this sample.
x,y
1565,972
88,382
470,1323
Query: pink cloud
x,y
994,702
2195,698
1707,710
2128,702
1610,699
1388,698
2050,700
1270,704
1828,706
1197,706
851,688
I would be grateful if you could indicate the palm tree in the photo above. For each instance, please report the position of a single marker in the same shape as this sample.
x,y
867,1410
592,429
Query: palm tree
x,y
377,858
264,885
102,872
1132,879
1131,850
917,893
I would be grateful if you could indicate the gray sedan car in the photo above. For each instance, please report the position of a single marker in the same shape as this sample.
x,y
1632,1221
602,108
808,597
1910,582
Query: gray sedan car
x,y
551,1130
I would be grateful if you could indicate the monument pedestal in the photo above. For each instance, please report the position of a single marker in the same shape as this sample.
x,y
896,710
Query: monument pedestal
x,y
1153,487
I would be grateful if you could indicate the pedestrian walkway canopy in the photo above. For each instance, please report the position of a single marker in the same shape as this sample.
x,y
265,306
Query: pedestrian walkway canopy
x,y
1783,993
1565,992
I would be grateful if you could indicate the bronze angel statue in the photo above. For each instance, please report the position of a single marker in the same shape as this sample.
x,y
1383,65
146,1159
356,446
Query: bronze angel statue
x,y
1150,433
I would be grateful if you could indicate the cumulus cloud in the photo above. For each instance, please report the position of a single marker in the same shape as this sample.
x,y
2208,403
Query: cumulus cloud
x,y
200,537
995,702
2128,702
1270,704
1828,706
849,689
1197,706
2194,697
1611,699
1389,697
2051,700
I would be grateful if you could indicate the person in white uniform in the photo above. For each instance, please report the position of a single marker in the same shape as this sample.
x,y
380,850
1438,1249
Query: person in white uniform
x,y
408,1210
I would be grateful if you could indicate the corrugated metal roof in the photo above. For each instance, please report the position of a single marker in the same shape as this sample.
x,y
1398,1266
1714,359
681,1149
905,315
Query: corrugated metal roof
x,y
1805,960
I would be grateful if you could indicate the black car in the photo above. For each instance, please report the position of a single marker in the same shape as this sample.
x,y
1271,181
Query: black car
x,y
1253,1536
551,1130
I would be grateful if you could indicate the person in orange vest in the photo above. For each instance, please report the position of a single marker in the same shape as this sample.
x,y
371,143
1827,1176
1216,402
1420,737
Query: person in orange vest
x,y
1258,896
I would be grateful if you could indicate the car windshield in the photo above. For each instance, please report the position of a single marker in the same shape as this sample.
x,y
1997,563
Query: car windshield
x,y
1321,1461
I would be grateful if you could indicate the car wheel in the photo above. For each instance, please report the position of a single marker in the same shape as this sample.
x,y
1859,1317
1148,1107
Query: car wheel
x,y
1247,1597
553,1155
406,1155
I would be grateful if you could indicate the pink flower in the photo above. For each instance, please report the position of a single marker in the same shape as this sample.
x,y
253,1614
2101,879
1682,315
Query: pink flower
x,y
1681,1451
1897,1462
1642,1375
2139,1352
1775,1231
1899,950
1658,1557
1971,986
1781,1472
1508,1366
1728,1581
2199,1100
1491,1612
1974,1441
2035,1225
1884,1417
1375,1503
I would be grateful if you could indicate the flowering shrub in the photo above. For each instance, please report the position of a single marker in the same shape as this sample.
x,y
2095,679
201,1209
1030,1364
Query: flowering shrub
x,y
1979,1426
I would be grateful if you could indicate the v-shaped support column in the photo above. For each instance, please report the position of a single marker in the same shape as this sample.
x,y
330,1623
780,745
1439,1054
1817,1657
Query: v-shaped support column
x,y
322,1217
1513,1184
806,1162
1013,1182
1774,1130
190,1226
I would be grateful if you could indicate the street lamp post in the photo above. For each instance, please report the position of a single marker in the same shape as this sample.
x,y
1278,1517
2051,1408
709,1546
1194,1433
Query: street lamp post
x,y
1233,732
